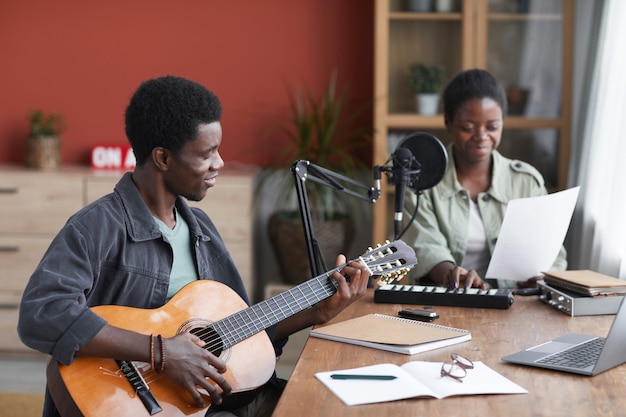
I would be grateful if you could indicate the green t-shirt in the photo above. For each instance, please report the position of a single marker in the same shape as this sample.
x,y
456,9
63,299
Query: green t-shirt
x,y
183,267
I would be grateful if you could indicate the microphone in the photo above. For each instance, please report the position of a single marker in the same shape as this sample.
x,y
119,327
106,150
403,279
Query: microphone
x,y
401,159
419,162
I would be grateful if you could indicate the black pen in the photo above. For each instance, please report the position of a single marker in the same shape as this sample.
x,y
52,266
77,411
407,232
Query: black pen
x,y
357,376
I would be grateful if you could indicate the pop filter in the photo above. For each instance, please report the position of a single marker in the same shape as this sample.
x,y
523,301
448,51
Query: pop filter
x,y
430,160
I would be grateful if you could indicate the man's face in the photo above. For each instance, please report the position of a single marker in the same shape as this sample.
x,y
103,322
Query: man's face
x,y
195,169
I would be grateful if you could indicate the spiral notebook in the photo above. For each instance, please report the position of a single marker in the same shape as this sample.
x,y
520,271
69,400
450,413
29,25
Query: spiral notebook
x,y
391,333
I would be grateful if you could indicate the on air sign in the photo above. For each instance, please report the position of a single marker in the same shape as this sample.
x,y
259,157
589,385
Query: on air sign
x,y
112,157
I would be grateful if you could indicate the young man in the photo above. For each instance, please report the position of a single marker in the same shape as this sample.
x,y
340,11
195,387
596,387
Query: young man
x,y
139,245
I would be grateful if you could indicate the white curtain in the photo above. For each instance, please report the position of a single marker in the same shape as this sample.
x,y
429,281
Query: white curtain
x,y
597,239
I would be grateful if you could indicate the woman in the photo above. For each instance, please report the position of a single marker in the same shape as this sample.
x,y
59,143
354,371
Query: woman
x,y
458,220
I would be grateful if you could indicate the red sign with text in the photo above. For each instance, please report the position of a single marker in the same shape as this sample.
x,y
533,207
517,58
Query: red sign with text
x,y
112,157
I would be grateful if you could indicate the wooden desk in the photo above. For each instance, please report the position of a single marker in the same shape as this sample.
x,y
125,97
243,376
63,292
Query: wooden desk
x,y
495,333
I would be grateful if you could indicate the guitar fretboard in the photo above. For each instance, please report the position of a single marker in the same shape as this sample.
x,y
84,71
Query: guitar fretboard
x,y
393,259
241,325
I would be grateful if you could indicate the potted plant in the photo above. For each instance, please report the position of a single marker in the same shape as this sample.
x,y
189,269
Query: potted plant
x,y
426,82
325,132
43,144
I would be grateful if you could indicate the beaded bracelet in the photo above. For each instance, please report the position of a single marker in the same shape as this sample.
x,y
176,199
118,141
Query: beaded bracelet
x,y
152,351
162,354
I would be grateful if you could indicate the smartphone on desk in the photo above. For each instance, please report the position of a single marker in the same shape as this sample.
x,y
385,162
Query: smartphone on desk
x,y
418,314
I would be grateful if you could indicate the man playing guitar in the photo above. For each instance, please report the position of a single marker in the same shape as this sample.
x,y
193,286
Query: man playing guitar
x,y
141,244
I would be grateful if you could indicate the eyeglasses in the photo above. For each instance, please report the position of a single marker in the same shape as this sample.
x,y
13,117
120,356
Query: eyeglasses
x,y
457,368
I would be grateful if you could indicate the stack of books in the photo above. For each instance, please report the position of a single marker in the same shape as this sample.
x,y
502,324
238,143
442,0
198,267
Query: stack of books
x,y
585,282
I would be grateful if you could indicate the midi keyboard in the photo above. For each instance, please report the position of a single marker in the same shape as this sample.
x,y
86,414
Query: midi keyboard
x,y
441,296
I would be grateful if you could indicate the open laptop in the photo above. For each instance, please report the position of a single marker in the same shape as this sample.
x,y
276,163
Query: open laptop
x,y
595,354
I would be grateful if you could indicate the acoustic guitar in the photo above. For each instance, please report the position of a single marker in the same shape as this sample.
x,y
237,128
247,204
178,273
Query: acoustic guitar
x,y
233,331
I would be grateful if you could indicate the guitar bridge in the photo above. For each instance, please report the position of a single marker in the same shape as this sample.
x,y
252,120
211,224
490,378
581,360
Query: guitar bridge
x,y
140,386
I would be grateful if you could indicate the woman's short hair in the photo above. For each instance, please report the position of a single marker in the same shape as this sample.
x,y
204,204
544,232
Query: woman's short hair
x,y
471,84
166,112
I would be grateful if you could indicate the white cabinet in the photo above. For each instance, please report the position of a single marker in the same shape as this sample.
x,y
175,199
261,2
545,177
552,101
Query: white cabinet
x,y
33,207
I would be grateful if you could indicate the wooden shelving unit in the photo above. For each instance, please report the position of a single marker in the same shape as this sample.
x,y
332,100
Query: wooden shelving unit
x,y
526,49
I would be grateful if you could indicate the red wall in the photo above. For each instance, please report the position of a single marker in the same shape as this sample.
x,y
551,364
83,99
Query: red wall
x,y
85,59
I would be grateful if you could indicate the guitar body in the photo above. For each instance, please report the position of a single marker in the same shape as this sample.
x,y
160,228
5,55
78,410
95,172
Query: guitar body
x,y
98,389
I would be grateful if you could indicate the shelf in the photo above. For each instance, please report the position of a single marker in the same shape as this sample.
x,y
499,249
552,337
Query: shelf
x,y
410,121
424,16
524,17
416,121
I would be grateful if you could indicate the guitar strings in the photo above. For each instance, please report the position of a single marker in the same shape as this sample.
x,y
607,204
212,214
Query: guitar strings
x,y
217,336
241,325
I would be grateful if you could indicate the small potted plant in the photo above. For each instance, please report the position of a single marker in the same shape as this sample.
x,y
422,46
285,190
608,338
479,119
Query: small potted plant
x,y
427,83
43,144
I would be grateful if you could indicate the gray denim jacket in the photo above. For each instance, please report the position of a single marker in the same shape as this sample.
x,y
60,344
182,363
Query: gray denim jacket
x,y
111,252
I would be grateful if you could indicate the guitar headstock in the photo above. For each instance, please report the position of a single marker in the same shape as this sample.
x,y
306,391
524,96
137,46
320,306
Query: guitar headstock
x,y
390,261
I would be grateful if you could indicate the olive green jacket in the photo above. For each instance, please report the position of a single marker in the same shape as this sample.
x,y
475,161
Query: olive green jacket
x,y
439,231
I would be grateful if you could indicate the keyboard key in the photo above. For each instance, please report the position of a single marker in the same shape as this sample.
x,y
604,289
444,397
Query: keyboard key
x,y
579,356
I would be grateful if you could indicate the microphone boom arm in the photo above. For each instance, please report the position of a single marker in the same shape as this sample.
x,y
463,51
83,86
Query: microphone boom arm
x,y
304,170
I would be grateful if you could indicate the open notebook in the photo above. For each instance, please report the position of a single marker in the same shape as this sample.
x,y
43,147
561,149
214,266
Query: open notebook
x,y
413,380
391,333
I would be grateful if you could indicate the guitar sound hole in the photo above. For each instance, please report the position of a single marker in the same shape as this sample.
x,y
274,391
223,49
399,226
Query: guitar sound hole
x,y
203,328
211,338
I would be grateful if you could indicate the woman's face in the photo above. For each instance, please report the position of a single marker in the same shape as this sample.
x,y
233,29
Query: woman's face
x,y
476,129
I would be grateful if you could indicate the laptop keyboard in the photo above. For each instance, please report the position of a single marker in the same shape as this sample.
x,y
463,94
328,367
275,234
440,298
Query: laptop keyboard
x,y
580,356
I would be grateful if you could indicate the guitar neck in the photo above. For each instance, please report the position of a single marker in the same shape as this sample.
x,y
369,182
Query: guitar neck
x,y
243,324
391,260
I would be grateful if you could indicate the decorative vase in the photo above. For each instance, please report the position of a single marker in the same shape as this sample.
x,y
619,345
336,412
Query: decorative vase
x,y
287,236
517,97
427,103
420,5
43,152
444,6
